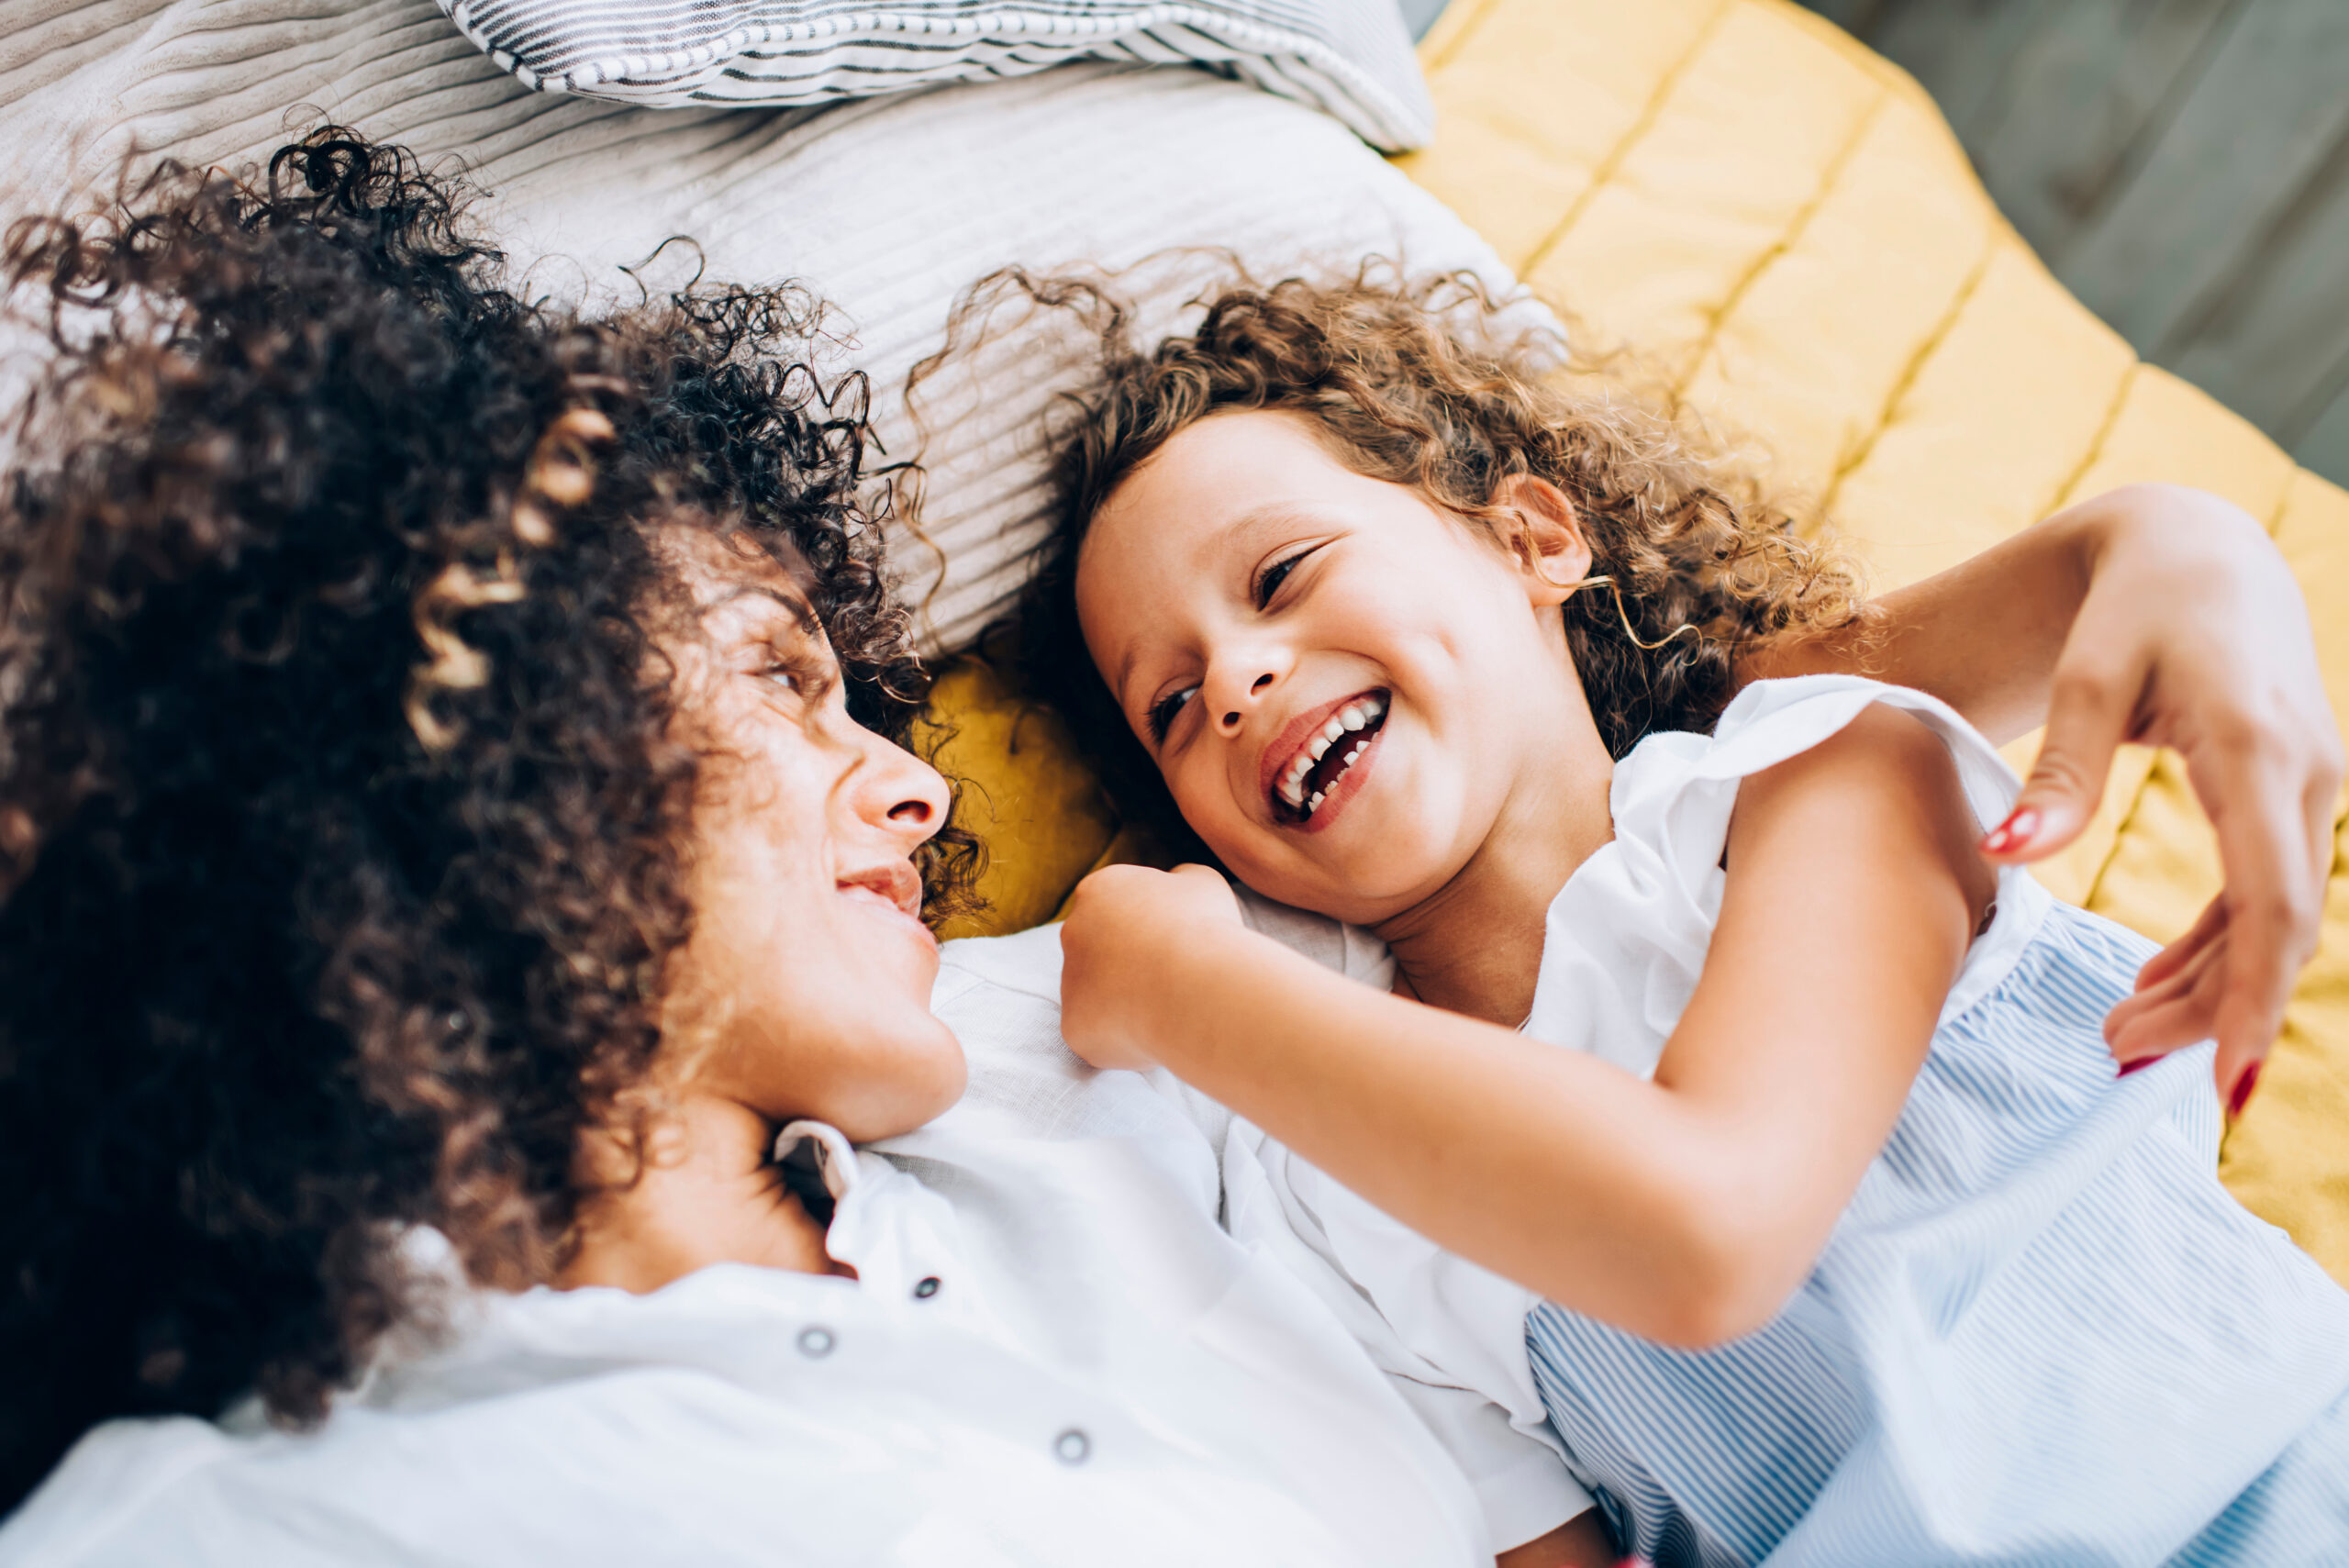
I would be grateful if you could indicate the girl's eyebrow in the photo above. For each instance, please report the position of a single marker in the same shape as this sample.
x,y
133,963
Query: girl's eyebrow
x,y
1277,514
1258,532
1125,673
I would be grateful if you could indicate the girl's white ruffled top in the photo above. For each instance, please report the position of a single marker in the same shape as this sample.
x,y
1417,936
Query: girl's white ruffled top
x,y
2041,1331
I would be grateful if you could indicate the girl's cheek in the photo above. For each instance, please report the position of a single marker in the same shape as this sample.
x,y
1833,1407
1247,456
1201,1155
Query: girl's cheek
x,y
1195,798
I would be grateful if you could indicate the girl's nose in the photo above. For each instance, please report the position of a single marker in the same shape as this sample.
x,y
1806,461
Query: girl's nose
x,y
1230,721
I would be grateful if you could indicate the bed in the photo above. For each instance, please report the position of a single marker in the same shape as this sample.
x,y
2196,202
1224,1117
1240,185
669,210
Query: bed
x,y
1776,219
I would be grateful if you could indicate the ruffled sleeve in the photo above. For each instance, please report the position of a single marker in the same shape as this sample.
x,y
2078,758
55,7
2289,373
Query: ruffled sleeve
x,y
1626,938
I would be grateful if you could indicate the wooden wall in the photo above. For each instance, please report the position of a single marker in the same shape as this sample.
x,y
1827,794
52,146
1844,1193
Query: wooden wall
x,y
2183,165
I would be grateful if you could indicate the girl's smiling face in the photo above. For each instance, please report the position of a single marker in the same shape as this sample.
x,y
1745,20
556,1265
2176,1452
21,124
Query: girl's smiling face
x,y
1347,690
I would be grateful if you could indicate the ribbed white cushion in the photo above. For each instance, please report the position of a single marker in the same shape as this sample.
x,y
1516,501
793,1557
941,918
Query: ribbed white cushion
x,y
887,207
1352,58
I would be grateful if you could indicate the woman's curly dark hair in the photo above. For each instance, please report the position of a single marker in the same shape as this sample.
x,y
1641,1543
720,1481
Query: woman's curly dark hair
x,y
339,836
1427,383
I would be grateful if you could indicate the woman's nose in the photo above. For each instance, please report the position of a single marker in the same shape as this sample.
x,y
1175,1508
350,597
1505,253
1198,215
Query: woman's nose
x,y
899,793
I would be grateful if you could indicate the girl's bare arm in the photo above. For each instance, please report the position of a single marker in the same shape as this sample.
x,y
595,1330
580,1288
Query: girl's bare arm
x,y
1684,1210
1580,1543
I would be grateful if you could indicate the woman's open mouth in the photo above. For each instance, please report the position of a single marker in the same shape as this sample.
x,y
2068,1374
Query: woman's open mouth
x,y
1322,760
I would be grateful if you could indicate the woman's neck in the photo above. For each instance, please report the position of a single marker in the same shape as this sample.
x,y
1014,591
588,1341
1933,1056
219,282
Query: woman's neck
x,y
703,1191
1475,945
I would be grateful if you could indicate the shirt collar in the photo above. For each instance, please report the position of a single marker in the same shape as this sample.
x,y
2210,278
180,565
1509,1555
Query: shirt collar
x,y
836,1158
899,1237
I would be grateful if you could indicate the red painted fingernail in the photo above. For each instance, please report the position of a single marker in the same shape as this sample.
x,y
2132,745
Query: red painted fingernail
x,y
2243,1086
2129,1067
2017,830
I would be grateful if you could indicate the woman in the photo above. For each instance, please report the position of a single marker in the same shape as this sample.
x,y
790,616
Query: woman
x,y
439,853
437,799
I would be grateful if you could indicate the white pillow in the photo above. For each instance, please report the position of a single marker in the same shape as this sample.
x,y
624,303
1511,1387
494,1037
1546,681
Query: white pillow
x,y
1351,57
887,207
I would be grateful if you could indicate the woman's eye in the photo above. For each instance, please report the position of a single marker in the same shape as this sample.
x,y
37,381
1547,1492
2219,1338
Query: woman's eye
x,y
1274,575
1164,712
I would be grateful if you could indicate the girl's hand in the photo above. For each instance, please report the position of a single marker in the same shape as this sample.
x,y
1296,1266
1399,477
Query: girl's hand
x,y
2193,635
1121,925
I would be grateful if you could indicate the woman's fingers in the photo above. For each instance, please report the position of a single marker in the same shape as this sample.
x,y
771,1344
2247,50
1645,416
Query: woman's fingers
x,y
2193,634
2092,709
2255,790
2322,803
2207,928
2182,1016
2179,1011
2199,985
2170,1014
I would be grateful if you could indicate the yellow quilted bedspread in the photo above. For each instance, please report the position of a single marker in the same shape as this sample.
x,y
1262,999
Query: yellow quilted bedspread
x,y
1781,221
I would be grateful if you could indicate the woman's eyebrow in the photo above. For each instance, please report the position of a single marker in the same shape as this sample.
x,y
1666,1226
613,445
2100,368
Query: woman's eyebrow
x,y
803,614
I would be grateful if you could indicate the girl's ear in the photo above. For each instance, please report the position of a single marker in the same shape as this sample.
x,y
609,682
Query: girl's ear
x,y
1540,526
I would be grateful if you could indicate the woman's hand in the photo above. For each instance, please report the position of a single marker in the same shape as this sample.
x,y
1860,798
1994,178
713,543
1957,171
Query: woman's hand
x,y
2193,635
2154,614
1113,947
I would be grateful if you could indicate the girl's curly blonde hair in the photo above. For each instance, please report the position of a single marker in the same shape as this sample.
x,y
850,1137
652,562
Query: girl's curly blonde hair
x,y
1428,383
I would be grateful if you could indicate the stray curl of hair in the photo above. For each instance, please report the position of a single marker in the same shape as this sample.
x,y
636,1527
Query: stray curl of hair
x,y
559,475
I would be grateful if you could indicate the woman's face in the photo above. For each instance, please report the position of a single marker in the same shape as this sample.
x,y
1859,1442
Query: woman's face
x,y
805,988
1242,592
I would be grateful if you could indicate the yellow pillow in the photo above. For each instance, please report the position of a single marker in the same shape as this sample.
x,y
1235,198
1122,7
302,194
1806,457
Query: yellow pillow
x,y
1783,221
1021,787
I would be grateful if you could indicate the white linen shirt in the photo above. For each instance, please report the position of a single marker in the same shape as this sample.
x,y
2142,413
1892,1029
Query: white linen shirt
x,y
1449,1335
1051,1355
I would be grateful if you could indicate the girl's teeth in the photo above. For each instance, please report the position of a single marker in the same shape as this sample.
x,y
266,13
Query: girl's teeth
x,y
1353,718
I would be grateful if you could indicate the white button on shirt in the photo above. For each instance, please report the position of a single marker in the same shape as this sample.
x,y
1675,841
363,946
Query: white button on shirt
x,y
1449,1335
1051,1355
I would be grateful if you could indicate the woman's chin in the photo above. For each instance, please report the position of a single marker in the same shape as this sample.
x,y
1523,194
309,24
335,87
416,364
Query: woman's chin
x,y
914,1079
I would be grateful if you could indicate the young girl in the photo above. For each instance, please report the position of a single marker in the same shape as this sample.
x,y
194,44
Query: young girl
x,y
1836,1238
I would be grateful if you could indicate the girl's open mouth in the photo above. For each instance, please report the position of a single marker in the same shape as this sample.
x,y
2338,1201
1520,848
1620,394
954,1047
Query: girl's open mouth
x,y
1313,773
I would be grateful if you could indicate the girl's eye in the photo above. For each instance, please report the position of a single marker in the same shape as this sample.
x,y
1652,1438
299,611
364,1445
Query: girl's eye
x,y
1164,712
1274,575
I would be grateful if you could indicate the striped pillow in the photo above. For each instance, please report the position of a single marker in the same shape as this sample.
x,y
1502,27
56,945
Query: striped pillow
x,y
1352,59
